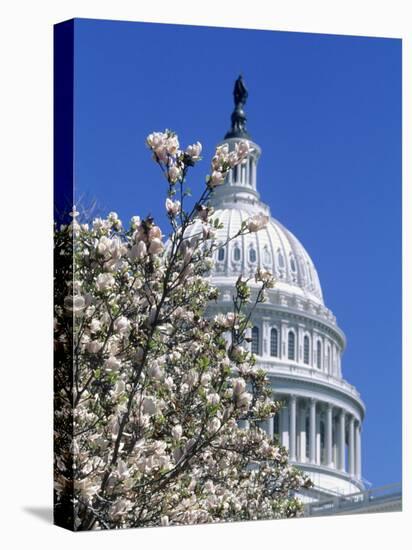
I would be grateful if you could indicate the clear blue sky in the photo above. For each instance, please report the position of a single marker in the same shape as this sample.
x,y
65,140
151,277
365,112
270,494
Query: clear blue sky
x,y
326,111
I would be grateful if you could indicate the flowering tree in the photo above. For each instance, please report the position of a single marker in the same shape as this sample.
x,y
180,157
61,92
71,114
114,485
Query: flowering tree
x,y
150,393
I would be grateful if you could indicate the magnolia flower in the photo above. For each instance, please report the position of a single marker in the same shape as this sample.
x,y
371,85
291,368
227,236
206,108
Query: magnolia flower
x,y
222,150
135,222
155,233
174,173
265,277
257,222
119,388
86,487
193,151
242,149
177,431
213,399
105,281
99,224
112,364
205,379
217,178
239,386
95,325
156,246
156,141
226,321
94,346
244,400
214,424
172,145
172,207
208,232
138,251
155,371
233,159
121,325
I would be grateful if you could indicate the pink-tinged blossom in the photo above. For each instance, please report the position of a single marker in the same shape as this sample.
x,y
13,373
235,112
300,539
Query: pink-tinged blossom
x,y
105,281
194,151
216,178
156,246
172,207
257,222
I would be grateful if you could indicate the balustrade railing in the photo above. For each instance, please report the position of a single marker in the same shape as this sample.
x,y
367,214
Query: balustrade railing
x,y
354,501
312,374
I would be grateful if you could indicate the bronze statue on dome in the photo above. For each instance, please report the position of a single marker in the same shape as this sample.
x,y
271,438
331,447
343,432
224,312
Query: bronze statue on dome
x,y
240,95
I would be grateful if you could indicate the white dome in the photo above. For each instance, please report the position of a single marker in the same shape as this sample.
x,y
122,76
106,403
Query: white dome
x,y
273,249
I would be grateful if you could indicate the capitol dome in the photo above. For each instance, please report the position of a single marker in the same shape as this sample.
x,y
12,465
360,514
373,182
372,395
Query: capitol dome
x,y
294,336
273,249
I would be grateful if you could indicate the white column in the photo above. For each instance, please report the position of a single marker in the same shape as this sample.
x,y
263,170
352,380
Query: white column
x,y
351,449
285,426
292,429
312,431
283,351
299,351
318,449
328,435
247,173
341,443
358,468
265,337
302,437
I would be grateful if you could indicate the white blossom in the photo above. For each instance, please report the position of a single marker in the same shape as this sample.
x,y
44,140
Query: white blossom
x,y
105,281
194,151
112,364
172,207
257,222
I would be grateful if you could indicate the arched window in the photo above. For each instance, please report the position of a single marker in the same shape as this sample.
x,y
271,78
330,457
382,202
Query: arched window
x,y
236,254
255,340
221,254
274,342
252,255
291,345
281,260
306,349
319,354
292,264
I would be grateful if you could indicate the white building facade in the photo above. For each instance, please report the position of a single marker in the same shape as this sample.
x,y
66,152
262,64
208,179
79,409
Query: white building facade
x,y
295,336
